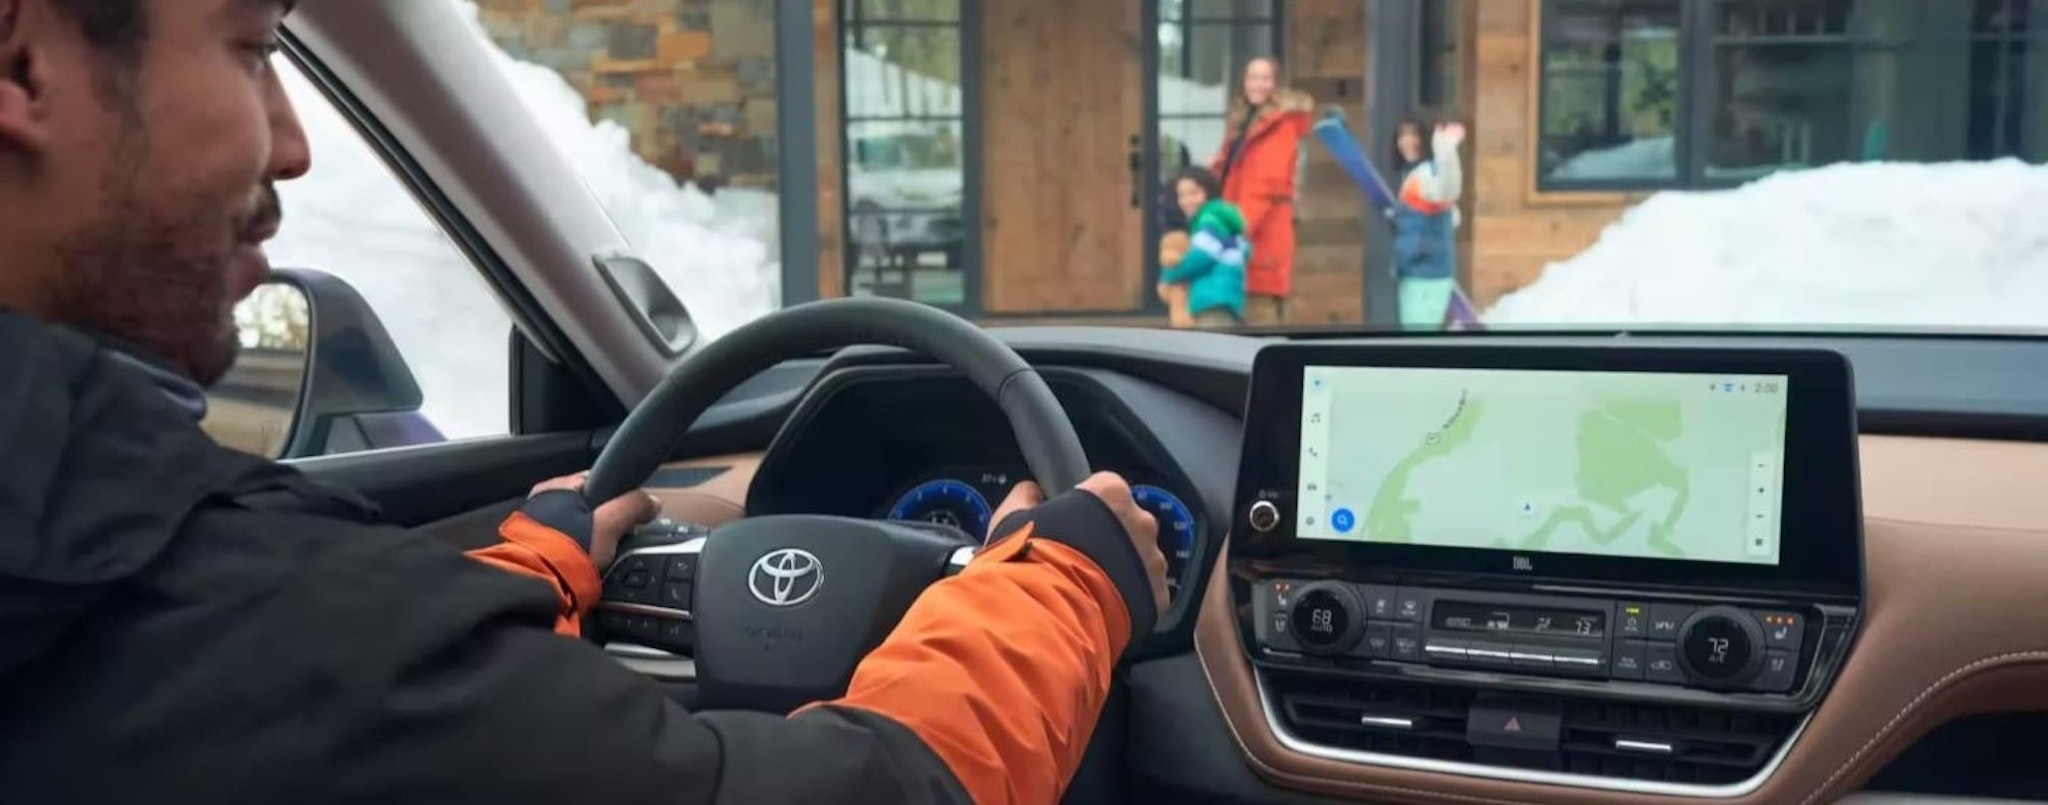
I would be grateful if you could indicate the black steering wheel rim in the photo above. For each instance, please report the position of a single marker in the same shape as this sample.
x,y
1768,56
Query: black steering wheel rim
x,y
771,631
654,428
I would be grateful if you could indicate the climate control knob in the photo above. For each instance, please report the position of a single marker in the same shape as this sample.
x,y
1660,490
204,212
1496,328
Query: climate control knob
x,y
1720,648
1328,618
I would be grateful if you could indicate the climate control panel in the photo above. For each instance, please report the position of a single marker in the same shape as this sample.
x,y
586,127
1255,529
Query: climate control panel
x,y
1721,647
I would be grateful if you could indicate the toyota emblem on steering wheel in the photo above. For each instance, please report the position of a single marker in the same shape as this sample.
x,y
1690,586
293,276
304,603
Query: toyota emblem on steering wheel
x,y
786,577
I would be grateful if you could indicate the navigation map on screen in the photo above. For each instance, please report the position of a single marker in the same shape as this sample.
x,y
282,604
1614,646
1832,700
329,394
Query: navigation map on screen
x,y
1632,464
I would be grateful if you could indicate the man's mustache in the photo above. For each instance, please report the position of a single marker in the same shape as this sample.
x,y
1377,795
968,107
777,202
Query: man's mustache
x,y
263,222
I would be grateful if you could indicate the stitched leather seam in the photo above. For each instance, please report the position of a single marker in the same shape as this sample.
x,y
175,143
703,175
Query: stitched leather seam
x,y
1913,705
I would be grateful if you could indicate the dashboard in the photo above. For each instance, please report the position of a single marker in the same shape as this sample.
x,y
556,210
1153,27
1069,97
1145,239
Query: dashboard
x,y
1901,587
923,445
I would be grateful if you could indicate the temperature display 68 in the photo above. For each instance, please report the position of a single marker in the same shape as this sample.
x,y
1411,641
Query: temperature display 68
x,y
1463,617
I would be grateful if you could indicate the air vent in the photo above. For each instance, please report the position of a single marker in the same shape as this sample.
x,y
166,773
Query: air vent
x,y
1670,744
1650,742
1386,717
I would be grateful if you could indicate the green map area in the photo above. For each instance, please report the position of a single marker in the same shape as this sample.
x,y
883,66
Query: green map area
x,y
1612,463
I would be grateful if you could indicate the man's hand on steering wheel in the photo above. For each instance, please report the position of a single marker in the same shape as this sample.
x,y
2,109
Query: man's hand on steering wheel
x,y
609,523
1114,492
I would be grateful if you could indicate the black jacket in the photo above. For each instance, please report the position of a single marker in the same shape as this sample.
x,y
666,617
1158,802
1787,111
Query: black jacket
x,y
182,623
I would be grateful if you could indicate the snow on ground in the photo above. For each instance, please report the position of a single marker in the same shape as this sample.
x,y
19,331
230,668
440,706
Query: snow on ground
x,y
1852,246
350,217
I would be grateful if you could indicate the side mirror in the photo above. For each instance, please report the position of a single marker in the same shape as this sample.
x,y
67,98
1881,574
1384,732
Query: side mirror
x,y
353,389
253,407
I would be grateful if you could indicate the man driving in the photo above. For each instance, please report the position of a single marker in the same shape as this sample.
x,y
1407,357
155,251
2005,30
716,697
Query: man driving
x,y
183,623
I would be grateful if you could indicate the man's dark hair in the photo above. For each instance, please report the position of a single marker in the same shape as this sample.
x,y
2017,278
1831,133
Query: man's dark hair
x,y
115,26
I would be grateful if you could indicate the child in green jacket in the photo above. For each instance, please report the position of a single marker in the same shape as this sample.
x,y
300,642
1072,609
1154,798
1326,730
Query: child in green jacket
x,y
1211,273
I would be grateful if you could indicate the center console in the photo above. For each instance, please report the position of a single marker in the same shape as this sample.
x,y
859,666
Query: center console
x,y
1618,568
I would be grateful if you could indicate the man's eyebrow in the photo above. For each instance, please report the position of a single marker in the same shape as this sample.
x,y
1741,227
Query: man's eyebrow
x,y
261,7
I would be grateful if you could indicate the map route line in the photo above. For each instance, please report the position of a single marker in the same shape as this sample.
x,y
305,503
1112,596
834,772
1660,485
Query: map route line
x,y
1388,518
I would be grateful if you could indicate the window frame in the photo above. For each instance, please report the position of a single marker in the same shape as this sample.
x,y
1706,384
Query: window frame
x,y
1237,23
966,25
574,390
1152,127
1681,128
1699,74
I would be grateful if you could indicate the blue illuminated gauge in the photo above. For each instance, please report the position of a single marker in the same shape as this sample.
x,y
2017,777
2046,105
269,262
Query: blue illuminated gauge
x,y
1176,530
946,502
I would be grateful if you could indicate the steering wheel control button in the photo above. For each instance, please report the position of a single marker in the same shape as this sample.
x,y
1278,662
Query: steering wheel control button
x,y
1665,620
630,583
1660,664
1779,670
675,636
1720,648
676,595
640,628
1782,630
1628,660
1327,618
682,568
1263,516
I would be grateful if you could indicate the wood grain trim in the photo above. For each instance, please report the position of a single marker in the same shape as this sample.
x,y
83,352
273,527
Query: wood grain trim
x,y
715,502
1957,544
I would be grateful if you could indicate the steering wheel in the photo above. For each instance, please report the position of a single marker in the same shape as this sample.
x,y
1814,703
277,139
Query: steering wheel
x,y
778,610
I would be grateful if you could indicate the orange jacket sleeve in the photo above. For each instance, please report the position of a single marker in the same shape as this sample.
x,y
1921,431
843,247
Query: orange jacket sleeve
x,y
1003,670
539,541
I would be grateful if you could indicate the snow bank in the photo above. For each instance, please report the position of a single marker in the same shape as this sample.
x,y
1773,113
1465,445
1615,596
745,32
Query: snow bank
x,y
1865,245
716,256
352,218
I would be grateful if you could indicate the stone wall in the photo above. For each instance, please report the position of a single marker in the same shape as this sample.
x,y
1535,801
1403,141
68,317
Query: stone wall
x,y
693,80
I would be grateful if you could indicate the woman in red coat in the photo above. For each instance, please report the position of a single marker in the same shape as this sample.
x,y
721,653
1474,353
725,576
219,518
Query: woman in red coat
x,y
1260,157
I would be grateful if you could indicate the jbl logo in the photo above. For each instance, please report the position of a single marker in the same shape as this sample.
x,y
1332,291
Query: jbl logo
x,y
1523,565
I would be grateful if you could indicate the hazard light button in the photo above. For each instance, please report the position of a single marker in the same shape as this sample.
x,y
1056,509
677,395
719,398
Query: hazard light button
x,y
1528,729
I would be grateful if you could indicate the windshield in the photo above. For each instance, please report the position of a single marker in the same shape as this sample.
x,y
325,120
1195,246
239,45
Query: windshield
x,y
1842,165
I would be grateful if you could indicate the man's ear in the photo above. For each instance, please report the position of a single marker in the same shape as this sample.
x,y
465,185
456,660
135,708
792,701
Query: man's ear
x,y
22,82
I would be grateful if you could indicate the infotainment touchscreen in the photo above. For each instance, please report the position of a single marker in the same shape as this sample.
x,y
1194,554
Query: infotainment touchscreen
x,y
1613,464
1646,465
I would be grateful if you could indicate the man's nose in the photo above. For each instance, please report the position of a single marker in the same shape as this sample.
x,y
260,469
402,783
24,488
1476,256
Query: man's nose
x,y
291,156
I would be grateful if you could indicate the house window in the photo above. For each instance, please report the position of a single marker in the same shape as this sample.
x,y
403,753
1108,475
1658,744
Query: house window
x,y
1203,47
907,149
1706,93
1610,92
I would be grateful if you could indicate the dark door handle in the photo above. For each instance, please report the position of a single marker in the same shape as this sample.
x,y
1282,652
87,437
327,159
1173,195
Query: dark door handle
x,y
1137,164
